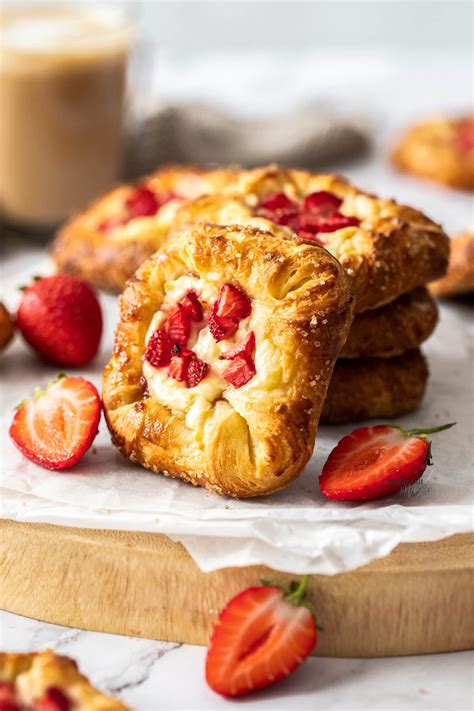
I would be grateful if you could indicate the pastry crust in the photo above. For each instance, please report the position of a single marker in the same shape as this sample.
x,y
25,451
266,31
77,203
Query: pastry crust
x,y
107,259
33,674
242,441
435,149
375,387
394,249
6,327
394,328
459,279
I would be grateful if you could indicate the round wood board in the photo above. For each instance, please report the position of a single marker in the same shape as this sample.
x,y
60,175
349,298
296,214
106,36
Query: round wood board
x,y
418,599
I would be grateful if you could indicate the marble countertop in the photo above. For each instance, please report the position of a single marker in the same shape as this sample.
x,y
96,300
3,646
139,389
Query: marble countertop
x,y
149,675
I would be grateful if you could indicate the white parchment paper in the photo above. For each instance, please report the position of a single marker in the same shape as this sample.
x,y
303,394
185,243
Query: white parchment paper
x,y
296,530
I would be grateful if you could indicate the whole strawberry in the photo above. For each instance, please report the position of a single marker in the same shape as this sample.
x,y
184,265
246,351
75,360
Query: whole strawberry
x,y
60,317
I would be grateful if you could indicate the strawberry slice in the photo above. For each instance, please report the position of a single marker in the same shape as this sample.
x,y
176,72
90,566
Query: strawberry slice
x,y
322,201
245,347
53,700
277,201
233,303
221,328
240,371
178,326
58,425
197,370
373,462
192,306
261,636
142,202
158,350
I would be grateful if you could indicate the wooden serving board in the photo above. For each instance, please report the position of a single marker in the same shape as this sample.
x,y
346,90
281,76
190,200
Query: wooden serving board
x,y
417,600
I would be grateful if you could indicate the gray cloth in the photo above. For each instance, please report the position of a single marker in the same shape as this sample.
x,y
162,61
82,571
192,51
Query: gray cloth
x,y
309,137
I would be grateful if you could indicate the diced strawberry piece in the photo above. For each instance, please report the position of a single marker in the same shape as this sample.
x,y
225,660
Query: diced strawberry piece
x,y
221,328
233,303
178,326
245,347
284,217
111,223
197,370
373,462
336,221
192,306
158,350
465,135
8,698
240,371
142,202
322,201
54,700
277,201
261,636
58,425
179,363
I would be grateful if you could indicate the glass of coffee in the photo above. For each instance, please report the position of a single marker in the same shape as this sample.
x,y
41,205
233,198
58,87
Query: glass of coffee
x,y
62,98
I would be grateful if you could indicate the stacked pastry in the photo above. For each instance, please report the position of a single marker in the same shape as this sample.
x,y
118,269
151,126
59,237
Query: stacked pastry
x,y
238,335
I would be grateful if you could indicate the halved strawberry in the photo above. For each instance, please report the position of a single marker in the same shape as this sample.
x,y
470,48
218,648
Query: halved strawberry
x,y
142,202
178,326
197,370
322,201
277,201
233,303
245,347
158,350
192,306
261,636
58,425
221,328
53,700
240,371
373,462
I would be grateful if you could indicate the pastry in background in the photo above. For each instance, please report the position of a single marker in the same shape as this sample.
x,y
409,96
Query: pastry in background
x,y
6,327
224,350
392,329
385,248
440,149
459,279
375,388
107,242
46,681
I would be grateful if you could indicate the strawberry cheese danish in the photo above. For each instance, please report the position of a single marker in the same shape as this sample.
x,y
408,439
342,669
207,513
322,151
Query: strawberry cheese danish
x,y
45,681
109,240
386,249
223,354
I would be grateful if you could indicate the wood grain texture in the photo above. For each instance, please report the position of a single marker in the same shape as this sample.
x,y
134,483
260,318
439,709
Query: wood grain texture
x,y
417,600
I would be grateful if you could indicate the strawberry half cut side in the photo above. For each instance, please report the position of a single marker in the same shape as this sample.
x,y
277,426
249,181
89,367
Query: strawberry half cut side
x,y
261,636
58,425
373,462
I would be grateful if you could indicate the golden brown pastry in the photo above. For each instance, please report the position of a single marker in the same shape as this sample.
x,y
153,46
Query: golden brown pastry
x,y
223,353
394,328
386,249
440,149
375,387
109,240
6,327
45,681
460,277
